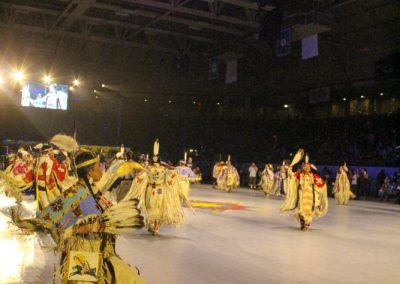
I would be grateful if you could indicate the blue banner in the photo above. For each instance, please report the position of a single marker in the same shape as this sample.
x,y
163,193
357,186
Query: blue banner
x,y
283,43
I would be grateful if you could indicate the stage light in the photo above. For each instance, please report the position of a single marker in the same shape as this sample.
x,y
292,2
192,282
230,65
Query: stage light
x,y
95,91
71,88
96,97
103,85
194,102
285,106
76,82
218,103
169,101
381,94
47,79
344,99
145,100
18,76
362,97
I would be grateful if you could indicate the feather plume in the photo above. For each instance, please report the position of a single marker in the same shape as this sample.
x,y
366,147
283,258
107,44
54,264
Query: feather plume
x,y
156,148
297,158
65,143
123,217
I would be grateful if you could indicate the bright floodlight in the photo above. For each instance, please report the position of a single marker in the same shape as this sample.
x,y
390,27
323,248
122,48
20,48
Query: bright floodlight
x,y
47,79
76,82
18,76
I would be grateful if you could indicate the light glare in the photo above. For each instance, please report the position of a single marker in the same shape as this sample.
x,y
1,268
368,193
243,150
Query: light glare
x,y
47,79
18,76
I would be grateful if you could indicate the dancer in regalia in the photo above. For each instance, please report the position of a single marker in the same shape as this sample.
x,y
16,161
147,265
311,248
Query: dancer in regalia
x,y
281,179
341,188
307,193
158,188
267,180
85,225
228,178
187,176
19,173
55,170
216,171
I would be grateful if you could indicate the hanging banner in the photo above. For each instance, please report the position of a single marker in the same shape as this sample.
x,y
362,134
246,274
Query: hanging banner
x,y
309,47
213,72
283,43
231,72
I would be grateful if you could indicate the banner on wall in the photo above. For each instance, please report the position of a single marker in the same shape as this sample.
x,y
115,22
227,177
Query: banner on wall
x,y
213,72
309,47
283,43
231,72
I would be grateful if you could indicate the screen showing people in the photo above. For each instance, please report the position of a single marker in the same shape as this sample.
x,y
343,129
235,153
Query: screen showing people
x,y
52,96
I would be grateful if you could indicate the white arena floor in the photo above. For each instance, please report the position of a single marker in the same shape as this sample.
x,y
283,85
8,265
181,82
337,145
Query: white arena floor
x,y
240,237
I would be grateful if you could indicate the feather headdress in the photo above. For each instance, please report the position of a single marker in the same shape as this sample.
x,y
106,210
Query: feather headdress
x,y
65,143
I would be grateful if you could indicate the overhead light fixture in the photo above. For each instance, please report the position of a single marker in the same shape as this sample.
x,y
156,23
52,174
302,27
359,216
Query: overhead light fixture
x,y
285,106
103,85
47,79
18,76
94,91
71,88
194,102
381,94
218,103
362,97
169,101
344,99
76,82
145,100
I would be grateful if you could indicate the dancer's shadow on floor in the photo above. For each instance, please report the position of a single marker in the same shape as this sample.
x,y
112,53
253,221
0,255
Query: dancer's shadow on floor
x,y
149,237
292,228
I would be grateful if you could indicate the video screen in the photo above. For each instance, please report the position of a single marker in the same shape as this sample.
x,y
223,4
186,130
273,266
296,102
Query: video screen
x,y
52,96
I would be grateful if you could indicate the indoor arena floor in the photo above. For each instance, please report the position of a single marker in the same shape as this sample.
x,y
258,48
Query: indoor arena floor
x,y
240,237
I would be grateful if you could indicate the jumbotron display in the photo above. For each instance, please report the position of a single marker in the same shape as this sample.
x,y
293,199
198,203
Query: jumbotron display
x,y
52,96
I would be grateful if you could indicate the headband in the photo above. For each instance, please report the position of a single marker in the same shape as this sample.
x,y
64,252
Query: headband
x,y
88,162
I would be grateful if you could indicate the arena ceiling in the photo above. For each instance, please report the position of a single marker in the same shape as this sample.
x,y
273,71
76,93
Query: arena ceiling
x,y
132,43
194,27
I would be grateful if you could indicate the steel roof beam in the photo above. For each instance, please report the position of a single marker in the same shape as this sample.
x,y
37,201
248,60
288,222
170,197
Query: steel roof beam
x,y
74,10
111,41
242,3
190,23
193,12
